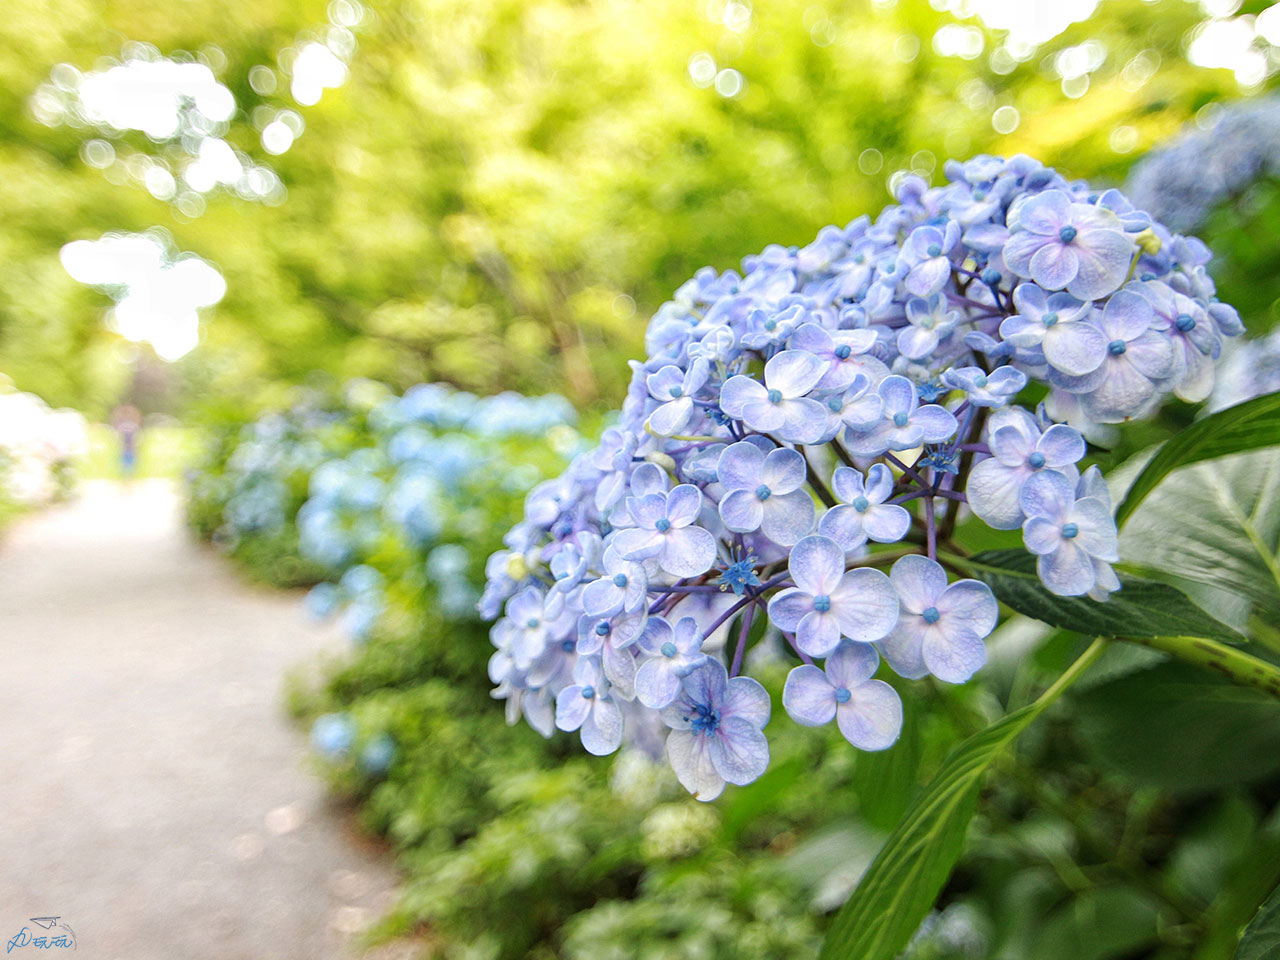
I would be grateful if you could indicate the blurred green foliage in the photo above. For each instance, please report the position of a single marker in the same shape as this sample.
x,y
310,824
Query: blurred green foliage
x,y
502,191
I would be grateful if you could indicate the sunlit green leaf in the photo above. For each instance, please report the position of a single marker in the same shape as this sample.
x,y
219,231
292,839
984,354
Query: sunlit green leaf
x,y
1141,608
1246,426
1217,524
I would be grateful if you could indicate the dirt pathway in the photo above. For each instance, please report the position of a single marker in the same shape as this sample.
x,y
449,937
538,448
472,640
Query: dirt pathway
x,y
152,794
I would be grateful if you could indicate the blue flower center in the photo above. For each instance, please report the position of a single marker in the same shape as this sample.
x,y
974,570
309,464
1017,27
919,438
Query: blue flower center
x,y
1069,530
663,525
676,392
619,579
567,646
775,396
707,719
842,352
532,623
980,381
900,419
1036,460
861,504
603,629
990,277
843,695
763,492
935,250
822,603
668,649
1117,347
588,693
931,615
771,325
1185,322
835,404
1049,319
1067,233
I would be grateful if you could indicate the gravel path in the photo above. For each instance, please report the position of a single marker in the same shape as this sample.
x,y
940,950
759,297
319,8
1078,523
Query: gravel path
x,y
152,793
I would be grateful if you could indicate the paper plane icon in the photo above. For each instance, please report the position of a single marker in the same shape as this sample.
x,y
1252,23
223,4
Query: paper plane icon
x,y
46,922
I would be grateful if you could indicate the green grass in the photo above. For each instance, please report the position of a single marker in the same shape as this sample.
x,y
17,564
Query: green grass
x,y
162,452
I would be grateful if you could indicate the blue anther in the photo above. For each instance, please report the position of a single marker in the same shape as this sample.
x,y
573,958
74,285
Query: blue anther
x,y
1067,234
843,695
668,649
822,603
861,504
1070,530
619,579
931,615
1117,347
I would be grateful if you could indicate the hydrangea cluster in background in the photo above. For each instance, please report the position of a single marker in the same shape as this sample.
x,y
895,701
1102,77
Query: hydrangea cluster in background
x,y
825,414
416,489
1182,182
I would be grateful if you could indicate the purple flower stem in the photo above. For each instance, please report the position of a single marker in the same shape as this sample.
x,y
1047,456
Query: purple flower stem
x,y
945,494
909,472
931,530
974,448
791,639
742,641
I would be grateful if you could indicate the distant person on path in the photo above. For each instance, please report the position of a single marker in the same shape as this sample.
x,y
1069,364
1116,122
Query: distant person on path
x,y
127,421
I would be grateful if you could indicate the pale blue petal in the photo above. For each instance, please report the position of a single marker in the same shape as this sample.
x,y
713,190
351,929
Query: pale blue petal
x,y
737,392
571,708
602,730
886,522
1067,571
918,582
783,470
816,565
852,663
744,697
818,633
690,758
788,607
787,517
656,683
688,552
794,372
739,751
953,656
865,604
741,511
871,719
809,697
739,466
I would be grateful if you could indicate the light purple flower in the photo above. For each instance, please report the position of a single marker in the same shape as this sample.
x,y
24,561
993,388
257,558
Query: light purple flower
x,y
1018,450
1055,324
859,407
676,389
764,492
672,655
929,322
587,707
780,405
1066,534
925,251
717,730
828,602
868,712
983,389
844,351
1138,359
863,513
663,529
1194,335
1068,244
623,587
942,625
904,424
533,619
